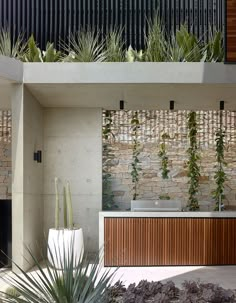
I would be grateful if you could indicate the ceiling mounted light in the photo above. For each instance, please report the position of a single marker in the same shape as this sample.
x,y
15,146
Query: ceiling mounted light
x,y
122,104
222,105
172,105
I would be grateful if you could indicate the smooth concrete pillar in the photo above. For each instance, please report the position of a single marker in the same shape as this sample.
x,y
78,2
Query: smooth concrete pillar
x,y
27,180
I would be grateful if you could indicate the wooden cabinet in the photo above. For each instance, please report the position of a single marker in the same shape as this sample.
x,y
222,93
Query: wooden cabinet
x,y
169,241
230,31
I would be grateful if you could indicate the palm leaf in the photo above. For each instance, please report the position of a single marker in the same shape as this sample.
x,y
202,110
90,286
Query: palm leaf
x,y
85,47
11,46
83,284
115,47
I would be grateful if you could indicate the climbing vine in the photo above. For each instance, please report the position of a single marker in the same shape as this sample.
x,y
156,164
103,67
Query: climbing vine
x,y
164,157
136,152
164,163
107,193
220,176
193,166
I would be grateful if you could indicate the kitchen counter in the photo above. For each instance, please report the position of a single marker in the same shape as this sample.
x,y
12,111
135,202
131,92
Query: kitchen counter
x,y
167,238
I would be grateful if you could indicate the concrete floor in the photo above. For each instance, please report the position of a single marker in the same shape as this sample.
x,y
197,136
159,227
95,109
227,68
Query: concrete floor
x,y
225,276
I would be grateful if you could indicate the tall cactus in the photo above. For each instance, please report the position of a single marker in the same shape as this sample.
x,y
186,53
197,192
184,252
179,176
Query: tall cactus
x,y
69,206
65,208
56,205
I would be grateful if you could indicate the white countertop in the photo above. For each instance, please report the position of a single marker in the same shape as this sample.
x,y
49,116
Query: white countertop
x,y
192,214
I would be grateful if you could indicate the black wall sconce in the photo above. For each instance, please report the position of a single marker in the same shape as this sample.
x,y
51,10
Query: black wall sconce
x,y
222,105
38,156
122,104
172,105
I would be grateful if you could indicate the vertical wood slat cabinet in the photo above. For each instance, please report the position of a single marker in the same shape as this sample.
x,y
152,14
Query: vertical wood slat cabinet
x,y
230,31
169,241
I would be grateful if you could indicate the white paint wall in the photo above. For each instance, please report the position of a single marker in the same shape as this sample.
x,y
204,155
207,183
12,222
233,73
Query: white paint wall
x,y
73,152
27,187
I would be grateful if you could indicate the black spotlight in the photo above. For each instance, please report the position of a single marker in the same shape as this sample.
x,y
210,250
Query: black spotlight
x,y
222,105
172,105
122,104
38,156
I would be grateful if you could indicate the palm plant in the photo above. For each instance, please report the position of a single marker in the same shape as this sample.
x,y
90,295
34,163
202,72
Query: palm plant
x,y
83,284
115,47
214,48
11,46
85,47
34,54
133,55
156,44
190,48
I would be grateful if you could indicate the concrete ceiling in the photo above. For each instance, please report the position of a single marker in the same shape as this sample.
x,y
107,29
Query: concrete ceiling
x,y
136,96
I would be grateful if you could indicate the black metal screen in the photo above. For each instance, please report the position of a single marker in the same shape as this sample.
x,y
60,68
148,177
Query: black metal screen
x,y
50,20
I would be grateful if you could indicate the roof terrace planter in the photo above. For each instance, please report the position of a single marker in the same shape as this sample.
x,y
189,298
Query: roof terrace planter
x,y
124,73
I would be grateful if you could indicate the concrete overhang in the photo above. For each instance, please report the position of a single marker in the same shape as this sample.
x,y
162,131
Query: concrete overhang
x,y
129,73
11,70
194,86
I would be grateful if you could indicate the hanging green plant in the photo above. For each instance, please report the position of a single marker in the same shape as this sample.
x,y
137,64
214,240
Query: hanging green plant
x,y
108,156
220,176
136,152
164,163
164,157
193,167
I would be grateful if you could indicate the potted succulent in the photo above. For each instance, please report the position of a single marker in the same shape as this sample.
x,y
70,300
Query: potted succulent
x,y
66,242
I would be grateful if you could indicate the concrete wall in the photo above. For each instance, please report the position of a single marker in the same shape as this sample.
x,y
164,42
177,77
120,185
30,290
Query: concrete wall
x,y
73,152
27,187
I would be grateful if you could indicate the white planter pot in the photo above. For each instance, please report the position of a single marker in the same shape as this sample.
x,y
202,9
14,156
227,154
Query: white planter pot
x,y
61,243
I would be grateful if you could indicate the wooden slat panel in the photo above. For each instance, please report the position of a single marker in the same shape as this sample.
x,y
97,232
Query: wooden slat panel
x,y
169,241
231,31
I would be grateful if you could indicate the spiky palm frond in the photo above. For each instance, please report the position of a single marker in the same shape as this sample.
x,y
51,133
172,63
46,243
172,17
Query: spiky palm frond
x,y
34,53
51,54
133,55
156,43
85,47
115,47
84,283
11,46
190,46
214,48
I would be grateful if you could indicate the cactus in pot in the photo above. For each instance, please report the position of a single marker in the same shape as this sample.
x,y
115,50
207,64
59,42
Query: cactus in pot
x,y
57,210
69,206
62,240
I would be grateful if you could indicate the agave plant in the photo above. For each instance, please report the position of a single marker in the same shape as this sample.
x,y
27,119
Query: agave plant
x,y
83,284
115,47
34,54
11,46
85,47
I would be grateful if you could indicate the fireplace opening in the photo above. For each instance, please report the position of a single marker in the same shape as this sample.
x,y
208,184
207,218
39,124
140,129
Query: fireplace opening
x,y
5,232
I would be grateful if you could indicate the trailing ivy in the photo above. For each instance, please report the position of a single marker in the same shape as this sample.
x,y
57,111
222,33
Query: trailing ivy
x,y
220,176
164,157
164,163
107,193
193,167
136,152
